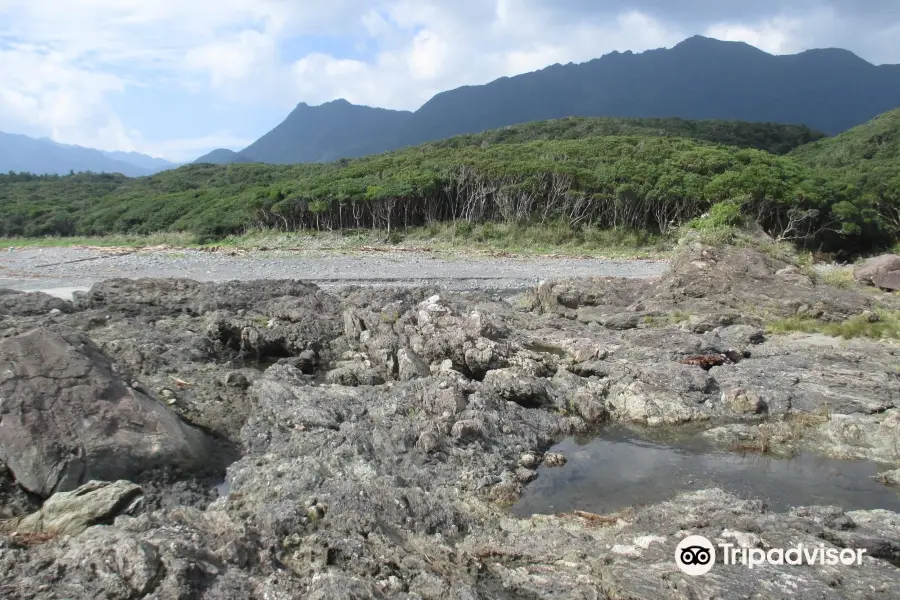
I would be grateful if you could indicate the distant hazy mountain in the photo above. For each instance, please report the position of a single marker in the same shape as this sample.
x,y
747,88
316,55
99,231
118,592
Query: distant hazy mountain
x,y
21,153
150,163
223,156
829,90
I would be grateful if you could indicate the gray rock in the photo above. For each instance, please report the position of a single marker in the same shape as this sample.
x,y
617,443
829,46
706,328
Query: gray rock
x,y
236,379
889,477
888,281
66,418
24,304
70,513
875,267
401,490
512,385
553,459
410,366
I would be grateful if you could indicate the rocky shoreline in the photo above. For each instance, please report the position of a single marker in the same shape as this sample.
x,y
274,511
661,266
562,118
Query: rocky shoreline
x,y
372,440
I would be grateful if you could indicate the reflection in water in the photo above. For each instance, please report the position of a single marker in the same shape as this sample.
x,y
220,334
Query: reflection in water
x,y
619,469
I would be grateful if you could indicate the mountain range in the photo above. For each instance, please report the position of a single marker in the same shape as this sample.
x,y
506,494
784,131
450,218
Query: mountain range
x,y
829,90
20,153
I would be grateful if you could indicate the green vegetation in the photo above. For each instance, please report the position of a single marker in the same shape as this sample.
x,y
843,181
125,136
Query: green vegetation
x,y
865,159
841,277
771,137
881,324
520,192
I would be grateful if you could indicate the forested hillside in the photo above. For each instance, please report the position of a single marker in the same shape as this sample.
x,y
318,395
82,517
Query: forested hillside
x,y
654,182
771,137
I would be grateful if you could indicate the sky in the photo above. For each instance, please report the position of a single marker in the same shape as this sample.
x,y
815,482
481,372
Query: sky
x,y
177,78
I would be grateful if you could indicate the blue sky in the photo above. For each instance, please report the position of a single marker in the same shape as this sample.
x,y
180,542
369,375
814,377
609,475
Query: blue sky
x,y
176,78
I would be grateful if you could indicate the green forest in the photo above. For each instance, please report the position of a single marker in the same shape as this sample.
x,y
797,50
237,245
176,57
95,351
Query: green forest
x,y
839,194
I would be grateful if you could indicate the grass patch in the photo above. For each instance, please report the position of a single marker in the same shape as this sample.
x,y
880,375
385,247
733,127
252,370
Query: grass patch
x,y
541,239
459,238
840,277
179,240
881,324
672,318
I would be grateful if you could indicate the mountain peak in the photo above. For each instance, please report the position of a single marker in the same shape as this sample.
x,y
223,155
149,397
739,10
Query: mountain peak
x,y
708,44
700,78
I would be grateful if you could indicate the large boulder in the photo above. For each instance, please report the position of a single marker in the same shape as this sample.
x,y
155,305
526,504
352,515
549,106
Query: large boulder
x,y
889,280
66,417
876,267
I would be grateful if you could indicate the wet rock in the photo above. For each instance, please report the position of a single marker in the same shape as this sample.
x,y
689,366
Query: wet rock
x,y
67,418
70,513
889,477
552,459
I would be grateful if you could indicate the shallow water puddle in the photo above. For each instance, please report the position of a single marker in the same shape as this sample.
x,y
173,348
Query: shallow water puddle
x,y
618,469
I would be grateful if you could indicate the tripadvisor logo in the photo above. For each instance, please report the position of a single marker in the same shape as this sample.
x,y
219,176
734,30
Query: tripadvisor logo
x,y
695,555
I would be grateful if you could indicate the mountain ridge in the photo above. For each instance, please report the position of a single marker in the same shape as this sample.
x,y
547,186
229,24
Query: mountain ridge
x,y
43,156
700,78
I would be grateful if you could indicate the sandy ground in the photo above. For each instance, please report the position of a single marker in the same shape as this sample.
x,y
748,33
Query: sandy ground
x,y
63,270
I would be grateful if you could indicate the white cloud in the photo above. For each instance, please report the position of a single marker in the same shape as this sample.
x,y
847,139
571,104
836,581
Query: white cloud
x,y
188,149
65,60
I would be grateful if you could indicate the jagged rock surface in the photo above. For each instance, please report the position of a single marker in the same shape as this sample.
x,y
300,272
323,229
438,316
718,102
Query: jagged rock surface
x,y
385,431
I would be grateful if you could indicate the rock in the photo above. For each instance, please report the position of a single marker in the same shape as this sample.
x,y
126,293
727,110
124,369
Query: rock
x,y
553,459
354,375
622,321
402,490
743,402
888,281
889,477
467,431
67,418
529,461
70,513
524,475
742,335
14,500
237,379
55,312
875,267
410,366
512,385
25,304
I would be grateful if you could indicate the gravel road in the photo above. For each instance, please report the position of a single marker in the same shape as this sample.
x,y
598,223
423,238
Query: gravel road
x,y
63,270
